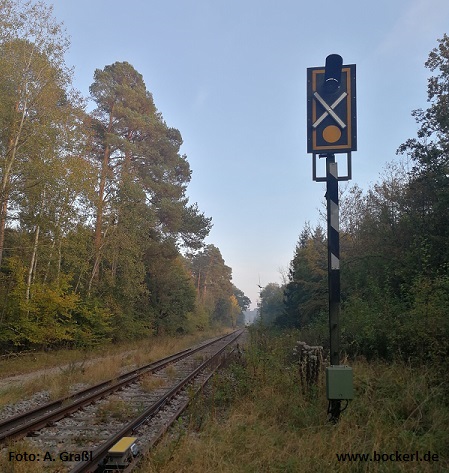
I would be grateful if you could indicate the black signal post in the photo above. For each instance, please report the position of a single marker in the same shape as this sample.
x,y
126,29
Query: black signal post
x,y
331,129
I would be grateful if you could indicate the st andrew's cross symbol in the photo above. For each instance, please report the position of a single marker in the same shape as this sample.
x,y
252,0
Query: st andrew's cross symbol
x,y
330,110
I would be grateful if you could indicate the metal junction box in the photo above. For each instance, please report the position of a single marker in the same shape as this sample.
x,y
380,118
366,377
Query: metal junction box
x,y
339,383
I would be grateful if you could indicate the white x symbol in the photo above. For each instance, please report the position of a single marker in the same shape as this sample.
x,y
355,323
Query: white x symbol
x,y
329,110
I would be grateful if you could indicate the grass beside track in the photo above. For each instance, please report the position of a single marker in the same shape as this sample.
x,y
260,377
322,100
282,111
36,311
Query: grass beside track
x,y
65,368
257,419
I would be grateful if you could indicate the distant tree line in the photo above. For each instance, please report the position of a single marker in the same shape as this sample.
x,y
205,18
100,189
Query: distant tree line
x,y
394,250
98,240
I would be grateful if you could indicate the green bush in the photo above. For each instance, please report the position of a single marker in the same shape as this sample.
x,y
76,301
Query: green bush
x,y
423,331
412,328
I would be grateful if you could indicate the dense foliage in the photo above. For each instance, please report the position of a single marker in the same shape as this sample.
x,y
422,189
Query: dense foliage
x,y
95,224
394,249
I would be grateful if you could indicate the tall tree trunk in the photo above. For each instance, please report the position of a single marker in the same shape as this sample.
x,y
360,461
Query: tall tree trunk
x,y
47,271
6,177
99,220
100,208
12,151
3,212
32,263
58,274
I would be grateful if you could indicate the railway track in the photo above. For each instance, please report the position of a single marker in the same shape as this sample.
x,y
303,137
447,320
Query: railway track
x,y
117,421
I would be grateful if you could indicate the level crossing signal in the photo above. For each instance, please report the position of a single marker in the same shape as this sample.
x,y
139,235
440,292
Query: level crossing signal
x,y
331,107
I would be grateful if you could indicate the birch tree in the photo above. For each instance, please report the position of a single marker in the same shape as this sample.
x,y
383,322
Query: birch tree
x,y
32,84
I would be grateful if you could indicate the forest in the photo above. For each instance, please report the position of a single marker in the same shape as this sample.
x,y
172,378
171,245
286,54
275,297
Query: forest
x,y
394,243
98,239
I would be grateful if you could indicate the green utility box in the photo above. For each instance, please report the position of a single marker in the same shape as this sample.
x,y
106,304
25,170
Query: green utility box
x,y
339,382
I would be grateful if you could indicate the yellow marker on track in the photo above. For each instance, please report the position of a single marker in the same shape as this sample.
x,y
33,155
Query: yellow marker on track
x,y
122,445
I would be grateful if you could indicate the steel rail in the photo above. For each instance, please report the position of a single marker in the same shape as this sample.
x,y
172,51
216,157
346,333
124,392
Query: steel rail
x,y
21,424
100,452
163,430
7,425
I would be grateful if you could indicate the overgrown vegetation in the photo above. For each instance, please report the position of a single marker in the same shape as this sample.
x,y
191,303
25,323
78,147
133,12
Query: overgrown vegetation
x,y
257,419
98,240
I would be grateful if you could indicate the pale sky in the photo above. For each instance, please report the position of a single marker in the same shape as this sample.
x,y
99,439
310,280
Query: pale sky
x,y
231,76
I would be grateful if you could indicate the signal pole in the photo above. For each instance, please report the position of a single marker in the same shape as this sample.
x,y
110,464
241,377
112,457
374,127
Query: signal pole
x,y
333,259
331,129
333,248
